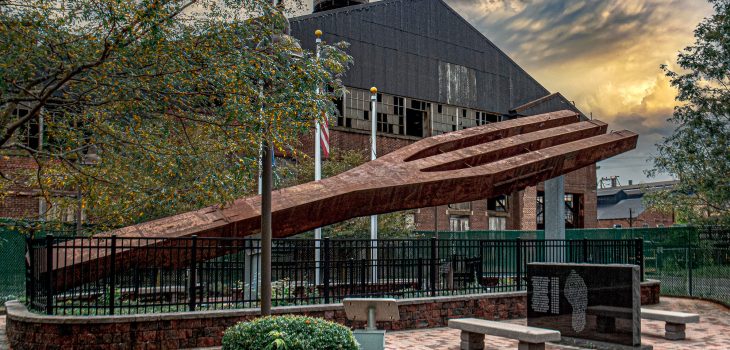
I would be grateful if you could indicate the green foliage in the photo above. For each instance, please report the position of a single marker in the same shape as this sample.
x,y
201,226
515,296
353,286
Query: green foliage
x,y
151,108
698,152
289,332
390,225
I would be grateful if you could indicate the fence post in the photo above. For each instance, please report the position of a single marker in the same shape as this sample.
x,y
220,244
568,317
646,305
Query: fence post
x,y
326,272
363,275
639,256
689,269
518,262
193,270
419,271
434,265
29,271
49,274
113,274
585,250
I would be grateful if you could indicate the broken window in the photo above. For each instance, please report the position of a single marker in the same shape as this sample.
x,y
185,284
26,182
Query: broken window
x,y
498,203
573,204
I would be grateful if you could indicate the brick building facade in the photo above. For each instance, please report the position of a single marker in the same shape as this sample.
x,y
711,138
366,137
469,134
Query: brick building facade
x,y
19,201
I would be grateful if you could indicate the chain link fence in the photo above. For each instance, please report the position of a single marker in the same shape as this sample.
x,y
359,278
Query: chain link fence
x,y
12,265
13,235
698,267
689,261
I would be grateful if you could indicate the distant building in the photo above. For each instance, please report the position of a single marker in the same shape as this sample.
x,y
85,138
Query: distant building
x,y
623,207
436,73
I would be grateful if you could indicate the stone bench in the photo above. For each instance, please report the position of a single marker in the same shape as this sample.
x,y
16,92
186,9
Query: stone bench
x,y
606,316
473,331
676,322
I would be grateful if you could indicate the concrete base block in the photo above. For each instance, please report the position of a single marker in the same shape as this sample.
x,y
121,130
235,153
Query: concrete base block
x,y
472,341
370,339
595,344
530,346
674,331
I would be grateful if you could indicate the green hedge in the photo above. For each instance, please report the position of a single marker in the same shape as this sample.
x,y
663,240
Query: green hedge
x,y
290,333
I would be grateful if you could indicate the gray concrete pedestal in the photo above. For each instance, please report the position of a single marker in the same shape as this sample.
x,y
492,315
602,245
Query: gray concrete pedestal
x,y
472,341
370,339
674,331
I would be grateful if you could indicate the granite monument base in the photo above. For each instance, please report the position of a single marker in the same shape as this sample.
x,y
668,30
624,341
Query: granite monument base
x,y
596,303
595,344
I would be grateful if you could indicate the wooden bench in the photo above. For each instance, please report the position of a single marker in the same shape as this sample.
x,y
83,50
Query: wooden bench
x,y
473,331
676,322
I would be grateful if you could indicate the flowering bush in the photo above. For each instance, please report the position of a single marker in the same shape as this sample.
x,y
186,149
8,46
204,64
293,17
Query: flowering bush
x,y
290,333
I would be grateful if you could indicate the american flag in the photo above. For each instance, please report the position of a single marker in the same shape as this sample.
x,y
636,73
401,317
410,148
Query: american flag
x,y
324,139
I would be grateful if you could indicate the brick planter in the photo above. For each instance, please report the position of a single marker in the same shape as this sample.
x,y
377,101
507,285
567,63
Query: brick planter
x,y
28,330
650,292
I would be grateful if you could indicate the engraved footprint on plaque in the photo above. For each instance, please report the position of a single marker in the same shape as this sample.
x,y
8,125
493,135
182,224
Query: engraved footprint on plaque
x,y
576,292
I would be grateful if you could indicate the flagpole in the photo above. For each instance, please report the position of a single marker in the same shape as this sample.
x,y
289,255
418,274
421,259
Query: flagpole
x,y
373,155
317,172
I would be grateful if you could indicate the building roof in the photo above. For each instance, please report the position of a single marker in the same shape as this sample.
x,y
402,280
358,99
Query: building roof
x,y
620,210
615,202
422,49
637,188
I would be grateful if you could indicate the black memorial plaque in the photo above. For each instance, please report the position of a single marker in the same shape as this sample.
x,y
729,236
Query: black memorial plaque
x,y
586,301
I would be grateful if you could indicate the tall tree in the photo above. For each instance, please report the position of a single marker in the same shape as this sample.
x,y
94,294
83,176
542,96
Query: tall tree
x,y
698,152
154,107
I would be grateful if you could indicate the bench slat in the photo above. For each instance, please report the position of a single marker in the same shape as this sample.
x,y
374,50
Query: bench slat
x,y
505,330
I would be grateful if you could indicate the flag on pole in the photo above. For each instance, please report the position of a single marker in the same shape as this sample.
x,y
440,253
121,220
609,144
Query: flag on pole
x,y
324,139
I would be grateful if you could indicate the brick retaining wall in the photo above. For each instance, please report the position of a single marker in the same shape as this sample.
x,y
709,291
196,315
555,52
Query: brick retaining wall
x,y
28,330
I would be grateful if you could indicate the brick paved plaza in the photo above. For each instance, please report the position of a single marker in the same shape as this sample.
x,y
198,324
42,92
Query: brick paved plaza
x,y
712,333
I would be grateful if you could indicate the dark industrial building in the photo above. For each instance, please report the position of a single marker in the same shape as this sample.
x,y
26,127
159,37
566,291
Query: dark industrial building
x,y
436,73
623,206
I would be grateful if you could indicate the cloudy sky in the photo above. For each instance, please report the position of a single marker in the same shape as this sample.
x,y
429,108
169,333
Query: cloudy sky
x,y
602,54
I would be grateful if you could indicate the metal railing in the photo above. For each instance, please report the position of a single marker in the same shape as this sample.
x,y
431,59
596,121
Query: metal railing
x,y
119,275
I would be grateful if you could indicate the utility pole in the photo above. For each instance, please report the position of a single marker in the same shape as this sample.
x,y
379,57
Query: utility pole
x,y
631,217
373,155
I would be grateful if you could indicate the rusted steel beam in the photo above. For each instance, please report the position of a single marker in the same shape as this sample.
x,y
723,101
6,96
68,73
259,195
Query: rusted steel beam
x,y
461,166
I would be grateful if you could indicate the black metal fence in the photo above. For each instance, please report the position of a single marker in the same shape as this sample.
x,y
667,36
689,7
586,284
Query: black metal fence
x,y
116,275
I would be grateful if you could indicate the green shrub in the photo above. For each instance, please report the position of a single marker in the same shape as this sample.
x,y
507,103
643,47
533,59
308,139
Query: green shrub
x,y
289,333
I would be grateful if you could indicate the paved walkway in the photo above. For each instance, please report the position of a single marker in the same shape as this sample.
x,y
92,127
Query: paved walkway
x,y
712,333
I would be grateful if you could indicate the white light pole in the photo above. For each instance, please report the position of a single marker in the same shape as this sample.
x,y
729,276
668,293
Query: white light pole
x,y
373,155
317,173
